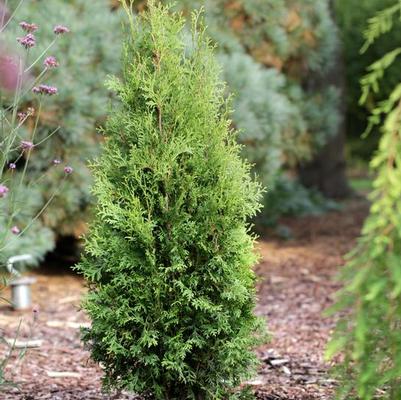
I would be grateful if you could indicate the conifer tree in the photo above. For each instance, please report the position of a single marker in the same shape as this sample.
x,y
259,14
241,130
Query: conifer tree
x,y
168,256
369,334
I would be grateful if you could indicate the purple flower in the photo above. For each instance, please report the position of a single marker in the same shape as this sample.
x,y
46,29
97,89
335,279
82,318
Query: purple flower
x,y
3,191
15,230
30,28
12,165
45,89
27,41
22,116
35,312
60,29
68,170
51,62
26,145
56,162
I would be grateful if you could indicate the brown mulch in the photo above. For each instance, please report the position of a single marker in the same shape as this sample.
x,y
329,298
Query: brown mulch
x,y
296,286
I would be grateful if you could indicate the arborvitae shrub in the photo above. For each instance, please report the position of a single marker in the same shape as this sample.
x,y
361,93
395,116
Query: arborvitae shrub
x,y
168,257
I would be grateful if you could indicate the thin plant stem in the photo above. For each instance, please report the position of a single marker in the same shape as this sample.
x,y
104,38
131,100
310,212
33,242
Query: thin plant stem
x,y
11,16
30,150
41,55
42,210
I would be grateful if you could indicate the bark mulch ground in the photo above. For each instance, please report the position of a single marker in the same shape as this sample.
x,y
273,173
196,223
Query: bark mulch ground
x,y
296,285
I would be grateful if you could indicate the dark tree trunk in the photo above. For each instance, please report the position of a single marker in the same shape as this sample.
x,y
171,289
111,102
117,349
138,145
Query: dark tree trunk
x,y
327,170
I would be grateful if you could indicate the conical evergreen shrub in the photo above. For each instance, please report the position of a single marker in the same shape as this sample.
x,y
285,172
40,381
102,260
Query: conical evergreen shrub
x,y
169,255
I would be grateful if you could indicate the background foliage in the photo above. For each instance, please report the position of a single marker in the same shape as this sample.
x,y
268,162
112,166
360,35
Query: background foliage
x,y
169,257
352,17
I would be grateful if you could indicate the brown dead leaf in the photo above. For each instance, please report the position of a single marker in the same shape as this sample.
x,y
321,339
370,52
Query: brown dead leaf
x,y
80,229
265,54
293,21
233,6
237,23
310,38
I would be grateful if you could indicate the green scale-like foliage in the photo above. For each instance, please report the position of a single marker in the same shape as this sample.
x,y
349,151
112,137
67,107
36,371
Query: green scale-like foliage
x,y
168,257
369,334
86,55
269,50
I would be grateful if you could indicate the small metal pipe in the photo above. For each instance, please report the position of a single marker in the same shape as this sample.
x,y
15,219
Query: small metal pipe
x,y
20,287
12,260
21,293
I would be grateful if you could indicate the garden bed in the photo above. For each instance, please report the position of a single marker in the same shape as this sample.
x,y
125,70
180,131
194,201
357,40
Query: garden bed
x,y
296,286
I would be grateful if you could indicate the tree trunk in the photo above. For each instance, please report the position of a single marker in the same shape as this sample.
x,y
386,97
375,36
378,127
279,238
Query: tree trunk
x,y
327,170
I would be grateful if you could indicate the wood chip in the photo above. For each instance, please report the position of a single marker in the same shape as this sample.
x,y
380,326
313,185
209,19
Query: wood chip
x,y
255,382
277,279
67,324
276,363
69,299
24,344
10,321
63,374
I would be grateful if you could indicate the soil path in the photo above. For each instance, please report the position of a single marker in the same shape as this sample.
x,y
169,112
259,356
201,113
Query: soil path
x,y
297,284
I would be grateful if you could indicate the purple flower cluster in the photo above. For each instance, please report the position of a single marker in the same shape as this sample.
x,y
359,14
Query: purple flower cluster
x,y
67,169
60,29
3,191
51,62
45,89
35,311
27,41
15,230
27,27
12,73
23,115
26,145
